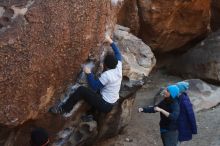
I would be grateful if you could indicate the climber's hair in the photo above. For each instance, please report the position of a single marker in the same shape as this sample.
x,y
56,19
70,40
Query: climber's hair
x,y
39,137
110,61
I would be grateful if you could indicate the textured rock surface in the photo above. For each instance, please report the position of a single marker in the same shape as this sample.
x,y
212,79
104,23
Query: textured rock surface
x,y
202,95
128,16
203,61
215,15
42,44
167,25
138,59
70,129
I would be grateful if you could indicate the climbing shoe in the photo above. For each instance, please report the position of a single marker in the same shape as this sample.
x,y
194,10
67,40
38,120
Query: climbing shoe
x,y
56,110
87,118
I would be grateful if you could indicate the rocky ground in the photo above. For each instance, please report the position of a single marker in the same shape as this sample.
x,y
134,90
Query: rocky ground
x,y
143,129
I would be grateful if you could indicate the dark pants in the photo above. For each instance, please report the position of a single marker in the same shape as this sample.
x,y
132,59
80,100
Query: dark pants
x,y
170,138
92,98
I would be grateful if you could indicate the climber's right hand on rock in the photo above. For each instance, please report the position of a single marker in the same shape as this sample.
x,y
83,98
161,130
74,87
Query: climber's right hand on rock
x,y
108,39
140,109
87,70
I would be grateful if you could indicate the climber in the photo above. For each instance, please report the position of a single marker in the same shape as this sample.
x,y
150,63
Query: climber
x,y
108,84
169,113
39,137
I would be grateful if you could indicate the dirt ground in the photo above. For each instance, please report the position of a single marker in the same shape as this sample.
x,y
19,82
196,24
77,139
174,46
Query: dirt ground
x,y
143,129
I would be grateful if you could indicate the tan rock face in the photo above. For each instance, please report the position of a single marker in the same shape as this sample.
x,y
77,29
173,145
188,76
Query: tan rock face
x,y
166,25
128,16
42,44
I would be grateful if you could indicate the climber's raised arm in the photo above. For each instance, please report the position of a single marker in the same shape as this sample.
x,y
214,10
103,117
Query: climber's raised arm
x,y
114,48
93,83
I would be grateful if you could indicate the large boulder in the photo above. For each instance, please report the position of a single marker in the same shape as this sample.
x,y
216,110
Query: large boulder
x,y
202,95
42,45
138,59
203,61
215,15
72,129
166,25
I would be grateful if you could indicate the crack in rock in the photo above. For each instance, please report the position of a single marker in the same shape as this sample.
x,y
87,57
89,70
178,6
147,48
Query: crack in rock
x,y
2,11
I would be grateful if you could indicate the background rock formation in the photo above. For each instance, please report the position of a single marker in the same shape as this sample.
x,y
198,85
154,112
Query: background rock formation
x,y
167,25
215,15
42,45
203,61
129,17
202,95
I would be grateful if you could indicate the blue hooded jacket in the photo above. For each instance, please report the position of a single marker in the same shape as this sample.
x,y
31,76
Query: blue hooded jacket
x,y
186,121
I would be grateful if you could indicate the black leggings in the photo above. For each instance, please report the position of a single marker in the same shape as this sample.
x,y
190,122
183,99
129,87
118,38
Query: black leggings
x,y
92,98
